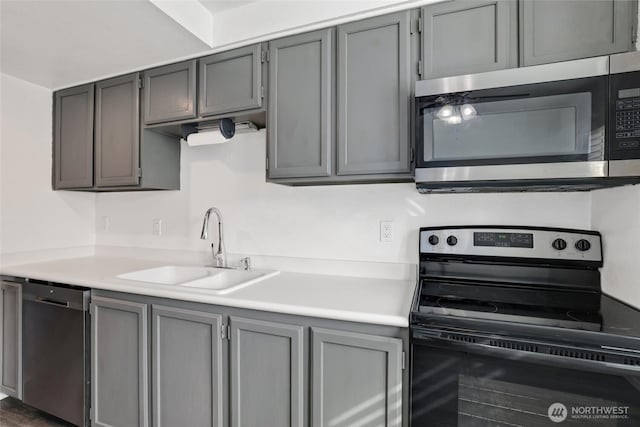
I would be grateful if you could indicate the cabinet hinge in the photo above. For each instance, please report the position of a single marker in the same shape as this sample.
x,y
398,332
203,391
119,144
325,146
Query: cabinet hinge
x,y
262,91
634,35
267,165
416,26
225,332
140,83
404,358
420,68
139,172
264,56
412,155
420,24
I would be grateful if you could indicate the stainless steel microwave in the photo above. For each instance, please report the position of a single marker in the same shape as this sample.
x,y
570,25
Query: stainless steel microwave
x,y
571,125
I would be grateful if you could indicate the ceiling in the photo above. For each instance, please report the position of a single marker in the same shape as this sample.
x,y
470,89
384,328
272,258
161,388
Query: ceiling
x,y
62,43
59,43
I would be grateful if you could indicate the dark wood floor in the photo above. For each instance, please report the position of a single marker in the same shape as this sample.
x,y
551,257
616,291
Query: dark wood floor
x,y
14,413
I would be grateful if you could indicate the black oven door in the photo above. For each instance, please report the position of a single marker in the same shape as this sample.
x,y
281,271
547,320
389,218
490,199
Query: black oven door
x,y
464,129
457,382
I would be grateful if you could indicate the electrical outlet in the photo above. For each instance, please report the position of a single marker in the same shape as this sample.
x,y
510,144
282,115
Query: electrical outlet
x,y
105,223
157,227
386,231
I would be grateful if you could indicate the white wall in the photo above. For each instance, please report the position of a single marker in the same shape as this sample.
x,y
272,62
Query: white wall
x,y
32,216
330,222
616,214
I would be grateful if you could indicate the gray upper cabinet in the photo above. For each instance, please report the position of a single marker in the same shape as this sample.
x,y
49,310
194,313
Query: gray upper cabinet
x,y
119,363
117,131
553,31
356,377
300,125
267,374
73,138
11,339
169,93
231,81
469,36
374,93
187,368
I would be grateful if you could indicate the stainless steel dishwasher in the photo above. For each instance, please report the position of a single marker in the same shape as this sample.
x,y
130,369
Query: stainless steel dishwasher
x,y
55,350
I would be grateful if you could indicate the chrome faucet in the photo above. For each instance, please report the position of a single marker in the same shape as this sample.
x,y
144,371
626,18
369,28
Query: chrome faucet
x,y
219,256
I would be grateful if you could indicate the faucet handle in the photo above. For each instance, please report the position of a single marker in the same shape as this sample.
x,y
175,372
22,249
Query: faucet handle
x,y
245,263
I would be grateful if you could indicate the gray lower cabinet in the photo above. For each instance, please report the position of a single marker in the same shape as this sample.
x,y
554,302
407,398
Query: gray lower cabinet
x,y
374,94
357,379
267,374
300,124
231,81
119,363
11,339
169,93
469,36
186,368
117,131
553,31
73,137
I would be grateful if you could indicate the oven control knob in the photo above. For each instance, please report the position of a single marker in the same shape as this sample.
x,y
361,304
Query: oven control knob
x,y
433,240
559,244
452,240
583,245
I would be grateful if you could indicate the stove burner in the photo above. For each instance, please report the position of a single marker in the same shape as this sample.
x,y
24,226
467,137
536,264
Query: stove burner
x,y
482,306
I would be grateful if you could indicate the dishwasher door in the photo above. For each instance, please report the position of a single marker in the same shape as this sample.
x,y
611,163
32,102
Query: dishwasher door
x,y
55,351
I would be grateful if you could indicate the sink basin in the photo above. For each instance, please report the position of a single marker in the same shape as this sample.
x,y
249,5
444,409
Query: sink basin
x,y
222,280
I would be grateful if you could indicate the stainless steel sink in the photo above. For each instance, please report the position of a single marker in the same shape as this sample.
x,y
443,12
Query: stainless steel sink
x,y
221,280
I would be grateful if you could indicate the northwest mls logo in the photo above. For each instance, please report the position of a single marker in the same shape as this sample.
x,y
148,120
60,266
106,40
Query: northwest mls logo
x,y
557,412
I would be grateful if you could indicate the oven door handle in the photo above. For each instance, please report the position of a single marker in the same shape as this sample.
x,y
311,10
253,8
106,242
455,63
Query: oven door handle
x,y
466,343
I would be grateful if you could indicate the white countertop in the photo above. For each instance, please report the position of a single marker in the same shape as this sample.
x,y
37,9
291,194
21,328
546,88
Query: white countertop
x,y
356,299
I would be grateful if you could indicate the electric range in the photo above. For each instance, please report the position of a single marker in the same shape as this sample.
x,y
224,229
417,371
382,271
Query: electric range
x,y
508,321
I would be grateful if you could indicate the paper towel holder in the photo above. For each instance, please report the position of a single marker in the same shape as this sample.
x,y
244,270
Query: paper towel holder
x,y
217,132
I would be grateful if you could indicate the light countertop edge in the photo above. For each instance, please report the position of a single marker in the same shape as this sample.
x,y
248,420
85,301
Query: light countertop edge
x,y
355,299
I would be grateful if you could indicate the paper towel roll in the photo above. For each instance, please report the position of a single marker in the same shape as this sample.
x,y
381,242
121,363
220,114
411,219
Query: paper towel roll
x,y
209,137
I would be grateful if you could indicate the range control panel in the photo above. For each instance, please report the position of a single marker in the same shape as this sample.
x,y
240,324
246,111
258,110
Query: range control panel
x,y
540,243
625,116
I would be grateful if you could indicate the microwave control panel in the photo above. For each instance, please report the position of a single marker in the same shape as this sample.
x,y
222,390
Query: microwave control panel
x,y
625,116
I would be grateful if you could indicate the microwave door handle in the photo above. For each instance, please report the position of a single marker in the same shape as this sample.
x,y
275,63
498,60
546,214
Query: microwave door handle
x,y
435,340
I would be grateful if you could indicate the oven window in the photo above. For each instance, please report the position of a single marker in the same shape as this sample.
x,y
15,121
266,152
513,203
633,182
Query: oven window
x,y
544,126
457,389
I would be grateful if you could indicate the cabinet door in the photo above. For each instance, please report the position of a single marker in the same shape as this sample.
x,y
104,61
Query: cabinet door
x,y
469,36
73,138
374,91
231,81
11,339
117,131
356,377
570,29
170,93
119,363
300,130
267,374
187,368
